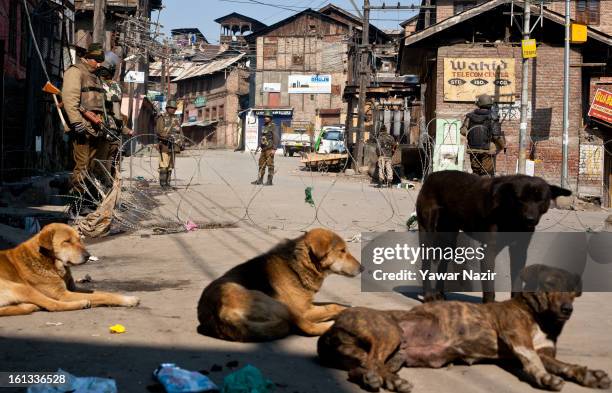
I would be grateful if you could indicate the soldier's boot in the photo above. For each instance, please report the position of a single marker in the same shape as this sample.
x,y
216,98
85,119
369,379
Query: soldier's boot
x,y
168,178
259,180
269,182
163,174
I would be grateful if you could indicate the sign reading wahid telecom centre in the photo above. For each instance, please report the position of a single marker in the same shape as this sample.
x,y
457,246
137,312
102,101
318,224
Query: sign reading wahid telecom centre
x,y
309,84
467,78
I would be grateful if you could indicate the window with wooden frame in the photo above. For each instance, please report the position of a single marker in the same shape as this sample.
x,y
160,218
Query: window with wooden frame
x,y
199,113
207,114
588,12
213,113
12,29
221,112
463,5
297,59
270,50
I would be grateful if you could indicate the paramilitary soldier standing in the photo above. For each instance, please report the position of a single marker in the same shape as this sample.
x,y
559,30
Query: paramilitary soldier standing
x,y
484,136
169,133
385,145
82,90
267,144
112,115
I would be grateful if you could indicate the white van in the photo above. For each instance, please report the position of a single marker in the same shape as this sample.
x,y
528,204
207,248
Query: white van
x,y
331,140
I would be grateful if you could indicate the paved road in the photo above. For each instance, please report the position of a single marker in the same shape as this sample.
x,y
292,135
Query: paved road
x,y
168,272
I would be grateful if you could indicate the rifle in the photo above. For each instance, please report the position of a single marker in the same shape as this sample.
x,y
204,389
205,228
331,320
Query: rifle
x,y
94,119
54,91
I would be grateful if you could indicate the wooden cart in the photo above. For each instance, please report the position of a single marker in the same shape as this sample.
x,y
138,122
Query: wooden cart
x,y
325,162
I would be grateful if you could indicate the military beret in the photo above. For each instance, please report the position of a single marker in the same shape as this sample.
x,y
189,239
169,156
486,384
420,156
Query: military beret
x,y
95,52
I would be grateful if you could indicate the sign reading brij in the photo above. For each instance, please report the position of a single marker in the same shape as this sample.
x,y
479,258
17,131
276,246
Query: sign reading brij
x,y
467,78
309,84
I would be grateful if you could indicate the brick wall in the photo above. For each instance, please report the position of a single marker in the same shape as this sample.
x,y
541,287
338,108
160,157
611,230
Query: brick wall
x,y
605,17
322,53
546,96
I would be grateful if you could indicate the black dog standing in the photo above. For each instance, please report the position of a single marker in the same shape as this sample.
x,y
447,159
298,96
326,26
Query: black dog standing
x,y
453,201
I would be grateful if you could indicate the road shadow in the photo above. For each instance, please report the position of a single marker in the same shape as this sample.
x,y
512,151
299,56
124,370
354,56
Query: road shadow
x,y
132,366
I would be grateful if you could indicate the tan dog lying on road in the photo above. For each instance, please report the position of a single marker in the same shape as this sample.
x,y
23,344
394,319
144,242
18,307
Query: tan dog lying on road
x,y
36,275
270,295
373,345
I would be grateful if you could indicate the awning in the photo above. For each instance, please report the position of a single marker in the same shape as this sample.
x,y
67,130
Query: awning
x,y
198,123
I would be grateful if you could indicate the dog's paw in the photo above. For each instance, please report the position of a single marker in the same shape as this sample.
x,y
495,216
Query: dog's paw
x,y
395,383
551,382
84,304
131,301
372,381
596,379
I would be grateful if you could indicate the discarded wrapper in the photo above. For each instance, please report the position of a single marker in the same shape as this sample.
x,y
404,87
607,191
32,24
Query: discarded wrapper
x,y
178,380
247,380
117,329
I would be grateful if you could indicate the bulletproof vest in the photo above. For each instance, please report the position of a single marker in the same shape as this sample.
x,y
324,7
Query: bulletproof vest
x,y
386,143
267,136
171,125
92,92
480,128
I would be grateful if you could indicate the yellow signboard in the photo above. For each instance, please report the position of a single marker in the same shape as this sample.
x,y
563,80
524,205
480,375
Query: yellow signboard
x,y
467,78
529,48
578,33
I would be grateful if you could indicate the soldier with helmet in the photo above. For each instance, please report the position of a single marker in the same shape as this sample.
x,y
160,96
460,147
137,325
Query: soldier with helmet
x,y
82,90
484,136
113,118
267,143
169,135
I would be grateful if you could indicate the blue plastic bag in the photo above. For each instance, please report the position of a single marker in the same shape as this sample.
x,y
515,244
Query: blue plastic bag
x,y
77,385
177,380
247,380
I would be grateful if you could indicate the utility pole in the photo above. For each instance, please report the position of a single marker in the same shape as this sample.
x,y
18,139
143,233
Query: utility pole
x,y
363,82
99,20
522,156
566,60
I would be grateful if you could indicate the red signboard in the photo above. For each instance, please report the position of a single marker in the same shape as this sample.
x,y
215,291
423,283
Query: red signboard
x,y
601,108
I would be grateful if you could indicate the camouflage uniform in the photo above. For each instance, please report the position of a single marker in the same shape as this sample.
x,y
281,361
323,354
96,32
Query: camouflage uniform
x,y
268,144
115,121
484,135
386,147
83,88
169,133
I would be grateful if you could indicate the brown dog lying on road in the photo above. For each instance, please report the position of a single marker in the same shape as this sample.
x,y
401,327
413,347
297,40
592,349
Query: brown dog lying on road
x,y
36,275
270,295
373,345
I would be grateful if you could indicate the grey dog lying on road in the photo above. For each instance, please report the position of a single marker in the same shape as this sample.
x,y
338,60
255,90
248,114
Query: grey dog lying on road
x,y
373,345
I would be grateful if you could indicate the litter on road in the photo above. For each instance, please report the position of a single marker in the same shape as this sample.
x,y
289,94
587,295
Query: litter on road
x,y
178,380
117,329
247,380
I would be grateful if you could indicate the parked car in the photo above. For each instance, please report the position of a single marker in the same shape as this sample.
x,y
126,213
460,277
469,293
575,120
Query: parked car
x,y
331,140
295,142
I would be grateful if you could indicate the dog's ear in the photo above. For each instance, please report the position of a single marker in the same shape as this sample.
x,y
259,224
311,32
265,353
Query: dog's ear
x,y
530,276
556,191
45,237
318,243
577,285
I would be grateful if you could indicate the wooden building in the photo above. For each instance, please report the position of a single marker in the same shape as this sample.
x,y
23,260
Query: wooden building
x,y
478,51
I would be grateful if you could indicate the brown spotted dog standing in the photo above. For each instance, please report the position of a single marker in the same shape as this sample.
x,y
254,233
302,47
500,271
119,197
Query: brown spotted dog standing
x,y
373,345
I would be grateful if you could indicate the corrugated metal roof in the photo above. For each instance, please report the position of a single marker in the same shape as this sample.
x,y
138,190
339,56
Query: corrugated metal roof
x,y
176,68
199,69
